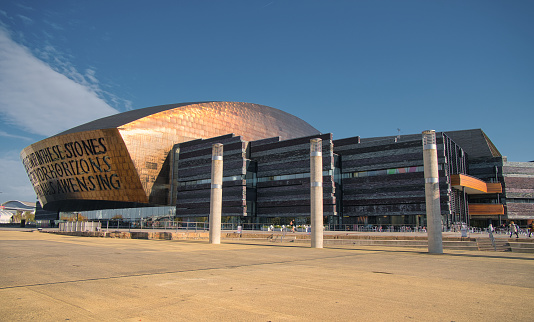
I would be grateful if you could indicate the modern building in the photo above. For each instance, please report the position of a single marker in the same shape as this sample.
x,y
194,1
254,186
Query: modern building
x,y
157,160
123,160
11,208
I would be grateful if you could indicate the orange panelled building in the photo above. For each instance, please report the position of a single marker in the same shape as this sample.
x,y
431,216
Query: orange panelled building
x,y
122,160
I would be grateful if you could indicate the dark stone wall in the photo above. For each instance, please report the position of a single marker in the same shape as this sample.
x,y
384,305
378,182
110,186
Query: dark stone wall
x,y
386,194
275,196
194,164
290,196
519,183
484,168
520,210
487,169
378,177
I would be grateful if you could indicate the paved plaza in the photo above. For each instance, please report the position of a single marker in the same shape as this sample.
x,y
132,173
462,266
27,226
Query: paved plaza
x,y
50,277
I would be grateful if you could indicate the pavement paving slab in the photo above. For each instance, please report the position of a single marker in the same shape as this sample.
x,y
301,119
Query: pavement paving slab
x,y
50,277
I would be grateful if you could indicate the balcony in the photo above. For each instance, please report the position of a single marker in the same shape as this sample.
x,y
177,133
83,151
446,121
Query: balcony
x,y
472,185
482,209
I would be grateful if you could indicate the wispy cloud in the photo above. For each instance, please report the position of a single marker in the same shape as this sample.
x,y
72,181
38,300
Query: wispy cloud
x,y
20,5
42,100
53,25
61,63
25,19
13,136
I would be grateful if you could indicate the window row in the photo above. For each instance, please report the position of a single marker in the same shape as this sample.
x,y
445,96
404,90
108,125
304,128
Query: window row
x,y
203,181
383,172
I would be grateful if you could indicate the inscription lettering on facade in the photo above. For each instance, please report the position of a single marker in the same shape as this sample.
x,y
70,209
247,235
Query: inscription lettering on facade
x,y
75,166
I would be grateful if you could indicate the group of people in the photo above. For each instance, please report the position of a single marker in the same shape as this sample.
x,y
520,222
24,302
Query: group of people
x,y
290,227
514,229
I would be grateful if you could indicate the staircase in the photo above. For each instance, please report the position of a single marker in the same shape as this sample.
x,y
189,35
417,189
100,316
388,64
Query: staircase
x,y
501,245
522,246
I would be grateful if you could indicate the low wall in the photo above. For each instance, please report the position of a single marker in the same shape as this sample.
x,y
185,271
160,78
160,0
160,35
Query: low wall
x,y
138,235
417,241
326,237
79,226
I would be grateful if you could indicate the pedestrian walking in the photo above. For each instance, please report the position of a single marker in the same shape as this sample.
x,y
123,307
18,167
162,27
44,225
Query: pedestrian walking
x,y
514,229
490,230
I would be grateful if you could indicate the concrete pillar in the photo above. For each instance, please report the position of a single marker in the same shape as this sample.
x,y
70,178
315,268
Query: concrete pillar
x,y
433,209
216,194
316,192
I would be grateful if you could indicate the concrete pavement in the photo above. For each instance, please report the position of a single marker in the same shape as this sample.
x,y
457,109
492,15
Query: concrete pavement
x,y
53,277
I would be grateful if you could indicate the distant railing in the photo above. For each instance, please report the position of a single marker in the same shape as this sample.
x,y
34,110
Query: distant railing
x,y
237,227
108,225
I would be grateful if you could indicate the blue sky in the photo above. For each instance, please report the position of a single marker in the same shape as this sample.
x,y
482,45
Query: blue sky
x,y
352,68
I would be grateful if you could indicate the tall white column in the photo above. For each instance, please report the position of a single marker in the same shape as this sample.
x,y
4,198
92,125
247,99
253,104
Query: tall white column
x,y
433,209
216,194
316,192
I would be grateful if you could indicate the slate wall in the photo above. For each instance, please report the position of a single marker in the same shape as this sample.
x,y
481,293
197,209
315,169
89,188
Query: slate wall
x,y
194,164
280,193
376,193
519,183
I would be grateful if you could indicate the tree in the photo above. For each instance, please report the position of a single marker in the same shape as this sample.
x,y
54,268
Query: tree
x,y
74,216
28,216
17,217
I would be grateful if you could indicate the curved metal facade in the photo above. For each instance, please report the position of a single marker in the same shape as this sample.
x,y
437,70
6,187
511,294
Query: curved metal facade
x,y
120,161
